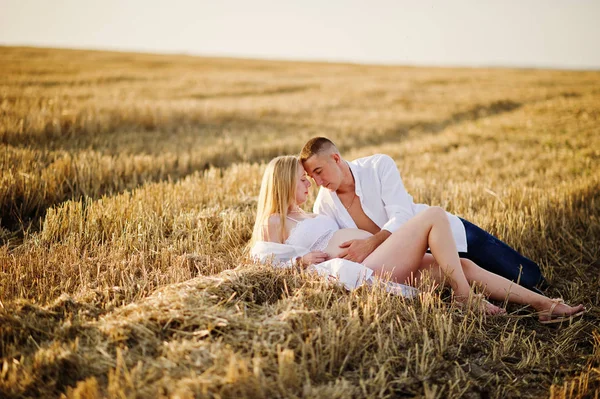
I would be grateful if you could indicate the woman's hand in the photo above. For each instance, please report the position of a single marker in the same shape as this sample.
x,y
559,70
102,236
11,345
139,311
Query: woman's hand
x,y
312,258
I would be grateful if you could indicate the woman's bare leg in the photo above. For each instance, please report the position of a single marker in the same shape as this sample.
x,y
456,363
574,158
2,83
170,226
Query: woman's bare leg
x,y
498,287
429,264
401,254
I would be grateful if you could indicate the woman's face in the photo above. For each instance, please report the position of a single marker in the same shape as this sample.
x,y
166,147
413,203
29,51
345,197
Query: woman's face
x,y
302,185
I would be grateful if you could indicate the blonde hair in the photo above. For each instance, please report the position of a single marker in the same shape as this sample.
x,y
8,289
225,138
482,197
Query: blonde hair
x,y
277,193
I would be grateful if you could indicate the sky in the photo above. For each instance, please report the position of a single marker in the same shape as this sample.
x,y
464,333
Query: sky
x,y
522,33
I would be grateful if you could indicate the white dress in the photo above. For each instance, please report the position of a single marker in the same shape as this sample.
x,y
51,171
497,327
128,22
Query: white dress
x,y
313,234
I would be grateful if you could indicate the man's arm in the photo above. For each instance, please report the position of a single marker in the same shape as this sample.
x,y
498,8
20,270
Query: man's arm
x,y
398,207
358,250
379,238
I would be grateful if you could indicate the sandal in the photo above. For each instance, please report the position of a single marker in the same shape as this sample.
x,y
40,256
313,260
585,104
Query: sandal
x,y
549,318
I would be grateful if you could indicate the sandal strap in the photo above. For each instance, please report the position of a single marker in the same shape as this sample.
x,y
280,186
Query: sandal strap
x,y
555,302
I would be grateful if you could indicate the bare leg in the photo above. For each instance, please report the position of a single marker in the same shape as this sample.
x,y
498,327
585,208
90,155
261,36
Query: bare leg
x,y
500,288
401,254
429,264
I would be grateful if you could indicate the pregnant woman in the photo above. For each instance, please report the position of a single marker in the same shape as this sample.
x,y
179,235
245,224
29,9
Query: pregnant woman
x,y
402,257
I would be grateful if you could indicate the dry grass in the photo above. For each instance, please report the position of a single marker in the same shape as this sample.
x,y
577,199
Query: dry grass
x,y
128,190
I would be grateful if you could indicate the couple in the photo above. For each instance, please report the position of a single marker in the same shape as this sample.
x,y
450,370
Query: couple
x,y
365,217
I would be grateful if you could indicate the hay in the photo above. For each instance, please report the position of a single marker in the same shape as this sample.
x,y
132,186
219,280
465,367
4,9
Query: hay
x,y
124,222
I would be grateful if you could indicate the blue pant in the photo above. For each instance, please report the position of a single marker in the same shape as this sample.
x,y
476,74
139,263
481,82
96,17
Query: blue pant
x,y
497,257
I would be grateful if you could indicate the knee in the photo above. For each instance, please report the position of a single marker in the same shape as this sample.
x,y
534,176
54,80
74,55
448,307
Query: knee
x,y
467,264
437,213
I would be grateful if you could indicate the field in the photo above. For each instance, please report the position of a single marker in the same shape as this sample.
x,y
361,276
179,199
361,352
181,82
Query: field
x,y
128,193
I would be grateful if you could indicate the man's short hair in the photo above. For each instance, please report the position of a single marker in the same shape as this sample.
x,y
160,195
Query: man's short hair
x,y
316,145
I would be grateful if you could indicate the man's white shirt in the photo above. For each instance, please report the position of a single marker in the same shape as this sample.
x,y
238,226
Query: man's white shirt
x,y
383,199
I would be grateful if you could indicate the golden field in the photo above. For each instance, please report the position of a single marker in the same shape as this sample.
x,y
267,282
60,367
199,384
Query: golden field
x,y
128,193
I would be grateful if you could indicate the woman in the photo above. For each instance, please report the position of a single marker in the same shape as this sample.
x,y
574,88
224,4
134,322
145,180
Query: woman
x,y
403,255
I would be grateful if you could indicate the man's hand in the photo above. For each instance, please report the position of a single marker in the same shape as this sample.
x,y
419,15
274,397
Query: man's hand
x,y
357,250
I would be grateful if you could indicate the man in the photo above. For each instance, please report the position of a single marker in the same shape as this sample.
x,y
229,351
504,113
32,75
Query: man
x,y
368,194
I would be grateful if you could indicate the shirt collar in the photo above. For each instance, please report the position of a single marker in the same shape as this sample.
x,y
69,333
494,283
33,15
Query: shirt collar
x,y
355,171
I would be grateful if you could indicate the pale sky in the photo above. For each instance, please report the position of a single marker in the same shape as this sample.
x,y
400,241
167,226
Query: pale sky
x,y
528,33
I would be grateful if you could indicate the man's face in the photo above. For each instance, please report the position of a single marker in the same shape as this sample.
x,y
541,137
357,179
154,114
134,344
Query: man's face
x,y
325,170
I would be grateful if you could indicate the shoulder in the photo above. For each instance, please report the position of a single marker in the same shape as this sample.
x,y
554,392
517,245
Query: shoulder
x,y
384,159
374,160
272,229
373,165
273,223
274,219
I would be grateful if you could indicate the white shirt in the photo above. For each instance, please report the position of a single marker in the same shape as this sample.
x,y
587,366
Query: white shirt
x,y
383,198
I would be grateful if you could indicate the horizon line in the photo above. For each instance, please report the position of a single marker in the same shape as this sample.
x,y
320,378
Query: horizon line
x,y
276,58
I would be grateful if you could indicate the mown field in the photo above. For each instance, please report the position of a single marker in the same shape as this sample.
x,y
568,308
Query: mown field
x,y
128,192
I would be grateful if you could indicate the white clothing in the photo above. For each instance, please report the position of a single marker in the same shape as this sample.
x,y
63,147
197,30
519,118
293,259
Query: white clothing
x,y
351,274
280,255
312,233
383,198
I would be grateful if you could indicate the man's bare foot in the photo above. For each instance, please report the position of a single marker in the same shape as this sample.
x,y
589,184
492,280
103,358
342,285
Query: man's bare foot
x,y
558,312
478,302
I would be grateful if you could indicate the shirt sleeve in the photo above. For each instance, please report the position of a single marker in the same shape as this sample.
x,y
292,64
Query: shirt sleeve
x,y
397,202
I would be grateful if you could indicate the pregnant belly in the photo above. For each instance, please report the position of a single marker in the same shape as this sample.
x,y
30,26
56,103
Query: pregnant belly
x,y
333,246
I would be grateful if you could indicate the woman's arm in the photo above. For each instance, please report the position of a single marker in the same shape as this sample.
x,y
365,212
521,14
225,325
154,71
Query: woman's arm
x,y
279,255
284,253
